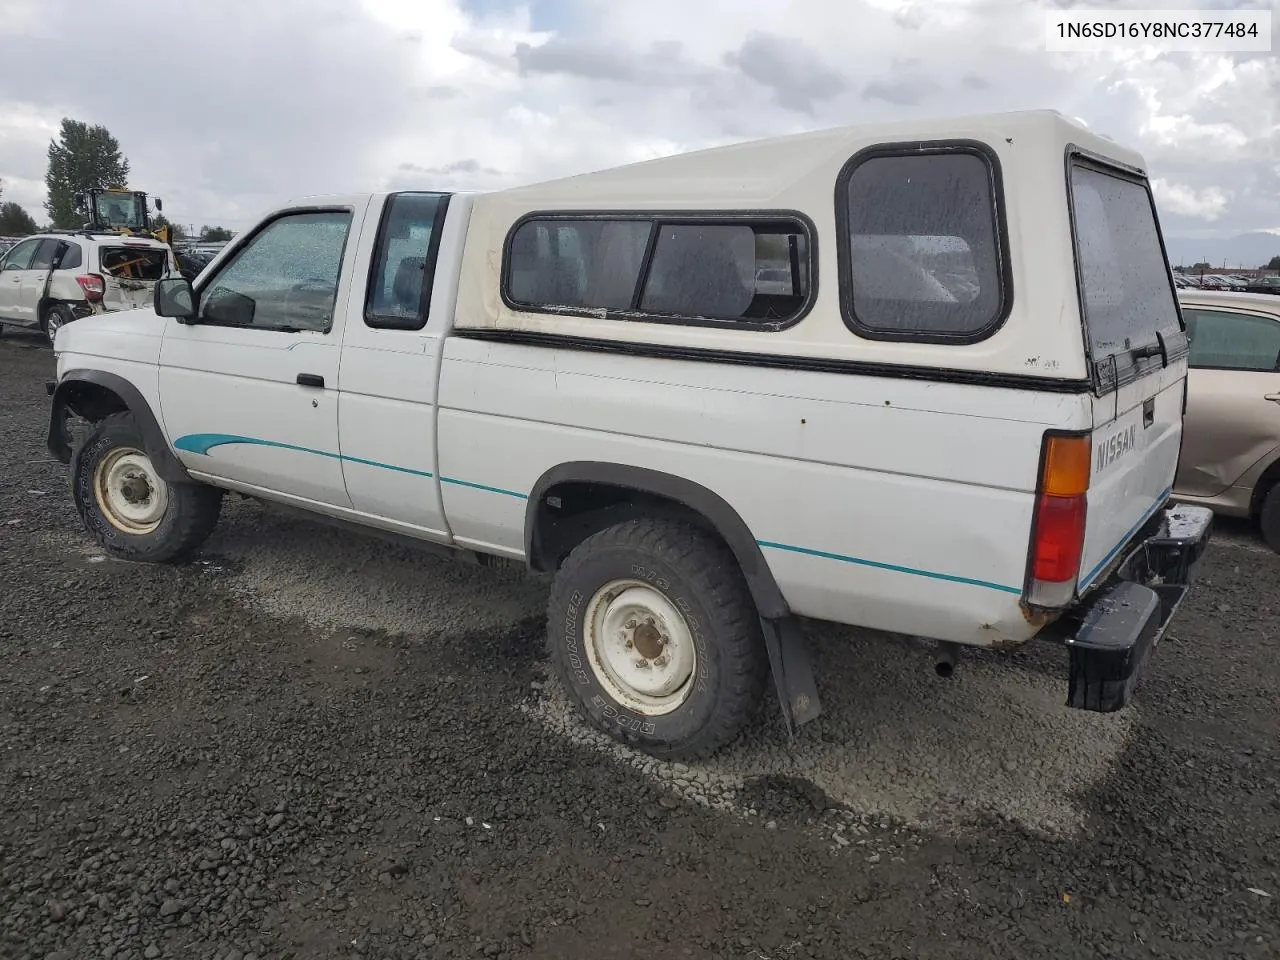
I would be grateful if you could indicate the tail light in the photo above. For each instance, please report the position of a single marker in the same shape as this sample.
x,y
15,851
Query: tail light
x,y
1057,531
92,285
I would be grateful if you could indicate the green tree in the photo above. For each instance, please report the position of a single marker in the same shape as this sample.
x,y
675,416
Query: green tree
x,y
15,221
215,234
83,158
175,229
1201,266
1273,263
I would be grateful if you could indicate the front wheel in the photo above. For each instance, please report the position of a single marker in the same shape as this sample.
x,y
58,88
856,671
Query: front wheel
x,y
127,506
653,632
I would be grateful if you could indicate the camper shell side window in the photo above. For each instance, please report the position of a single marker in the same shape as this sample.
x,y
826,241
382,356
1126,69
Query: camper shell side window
x,y
922,244
741,270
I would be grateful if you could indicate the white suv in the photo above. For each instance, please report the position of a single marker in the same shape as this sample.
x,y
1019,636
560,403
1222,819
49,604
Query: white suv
x,y
50,279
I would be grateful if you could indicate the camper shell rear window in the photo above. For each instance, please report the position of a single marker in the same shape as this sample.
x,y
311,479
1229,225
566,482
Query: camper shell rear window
x,y
1127,299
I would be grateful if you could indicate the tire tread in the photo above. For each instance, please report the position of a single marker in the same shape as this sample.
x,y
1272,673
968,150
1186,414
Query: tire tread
x,y
197,506
714,575
1269,517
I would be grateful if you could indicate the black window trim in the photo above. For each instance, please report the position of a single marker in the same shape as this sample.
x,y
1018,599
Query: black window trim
x,y
779,361
378,321
1171,349
241,243
52,244
64,249
1230,311
656,220
999,224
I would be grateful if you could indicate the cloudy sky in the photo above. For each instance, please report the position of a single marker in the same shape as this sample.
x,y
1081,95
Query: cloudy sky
x,y
226,108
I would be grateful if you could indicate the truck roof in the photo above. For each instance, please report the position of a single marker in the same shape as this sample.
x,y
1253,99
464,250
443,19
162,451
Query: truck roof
x,y
754,172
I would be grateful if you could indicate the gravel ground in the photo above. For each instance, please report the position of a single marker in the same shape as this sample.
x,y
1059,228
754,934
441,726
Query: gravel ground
x,y
310,745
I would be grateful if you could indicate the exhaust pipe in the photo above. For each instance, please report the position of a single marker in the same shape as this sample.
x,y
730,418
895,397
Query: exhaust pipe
x,y
945,664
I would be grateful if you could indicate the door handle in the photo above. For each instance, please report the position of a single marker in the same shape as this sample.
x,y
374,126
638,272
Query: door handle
x,y
310,380
1273,397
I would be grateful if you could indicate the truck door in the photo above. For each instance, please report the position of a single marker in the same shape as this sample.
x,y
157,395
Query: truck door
x,y
248,389
391,364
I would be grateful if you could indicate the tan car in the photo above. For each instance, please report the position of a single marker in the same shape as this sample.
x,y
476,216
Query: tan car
x,y
1230,457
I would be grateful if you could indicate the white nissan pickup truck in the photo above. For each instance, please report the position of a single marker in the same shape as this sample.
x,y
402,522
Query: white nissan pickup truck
x,y
924,377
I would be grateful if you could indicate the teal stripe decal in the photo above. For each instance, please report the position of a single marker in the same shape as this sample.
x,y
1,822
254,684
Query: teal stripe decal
x,y
1160,499
486,489
385,466
889,566
202,443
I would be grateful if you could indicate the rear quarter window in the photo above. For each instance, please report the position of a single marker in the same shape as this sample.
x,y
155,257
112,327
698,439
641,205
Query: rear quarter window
x,y
133,263
922,248
72,257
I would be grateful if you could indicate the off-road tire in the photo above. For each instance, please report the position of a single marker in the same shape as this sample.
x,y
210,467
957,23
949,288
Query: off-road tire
x,y
63,316
190,514
700,576
1269,518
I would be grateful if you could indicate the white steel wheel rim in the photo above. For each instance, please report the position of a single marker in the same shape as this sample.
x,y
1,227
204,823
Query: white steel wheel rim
x,y
129,494
640,647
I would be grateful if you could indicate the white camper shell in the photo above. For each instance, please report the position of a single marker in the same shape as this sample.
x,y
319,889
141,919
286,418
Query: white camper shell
x,y
925,377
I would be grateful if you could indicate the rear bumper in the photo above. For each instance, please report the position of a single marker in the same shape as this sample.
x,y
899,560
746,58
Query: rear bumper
x,y
1111,634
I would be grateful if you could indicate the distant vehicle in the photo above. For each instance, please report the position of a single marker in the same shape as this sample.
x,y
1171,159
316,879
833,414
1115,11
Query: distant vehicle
x,y
1215,282
51,279
1230,459
1263,285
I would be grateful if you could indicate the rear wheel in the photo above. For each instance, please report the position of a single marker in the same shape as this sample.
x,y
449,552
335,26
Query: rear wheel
x,y
127,506
655,636
1269,518
55,318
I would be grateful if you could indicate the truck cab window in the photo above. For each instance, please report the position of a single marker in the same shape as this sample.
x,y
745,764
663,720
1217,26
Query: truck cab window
x,y
286,277
404,262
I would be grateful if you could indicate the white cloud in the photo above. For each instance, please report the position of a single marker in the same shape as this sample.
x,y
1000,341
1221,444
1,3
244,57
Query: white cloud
x,y
271,100
1206,204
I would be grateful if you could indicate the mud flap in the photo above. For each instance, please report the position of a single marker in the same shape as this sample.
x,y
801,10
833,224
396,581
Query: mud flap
x,y
792,672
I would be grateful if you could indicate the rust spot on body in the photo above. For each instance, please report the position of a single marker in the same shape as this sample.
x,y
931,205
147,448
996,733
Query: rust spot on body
x,y
1038,618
